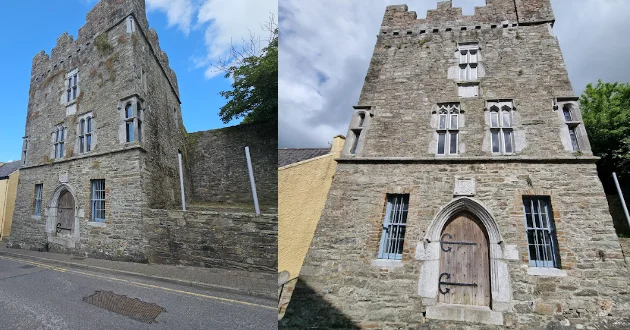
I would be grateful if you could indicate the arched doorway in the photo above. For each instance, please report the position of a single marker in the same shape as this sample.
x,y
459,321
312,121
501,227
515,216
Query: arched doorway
x,y
464,262
65,215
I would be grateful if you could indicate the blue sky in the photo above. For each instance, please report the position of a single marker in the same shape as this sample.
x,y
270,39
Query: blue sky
x,y
192,32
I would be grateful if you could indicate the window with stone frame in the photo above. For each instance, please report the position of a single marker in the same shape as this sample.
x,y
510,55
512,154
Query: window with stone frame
x,y
131,25
541,233
38,200
358,126
355,141
570,118
394,227
86,127
468,61
501,127
59,136
132,116
98,200
72,86
448,129
24,150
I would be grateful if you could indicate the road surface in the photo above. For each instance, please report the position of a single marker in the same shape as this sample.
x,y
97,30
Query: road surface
x,y
38,296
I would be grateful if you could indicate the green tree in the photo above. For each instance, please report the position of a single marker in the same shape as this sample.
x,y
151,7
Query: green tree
x,y
254,94
606,115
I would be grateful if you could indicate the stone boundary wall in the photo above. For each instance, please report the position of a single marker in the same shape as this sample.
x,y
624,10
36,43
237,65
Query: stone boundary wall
x,y
218,168
212,239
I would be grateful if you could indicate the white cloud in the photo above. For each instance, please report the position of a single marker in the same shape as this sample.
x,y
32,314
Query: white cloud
x,y
178,12
233,21
224,22
326,46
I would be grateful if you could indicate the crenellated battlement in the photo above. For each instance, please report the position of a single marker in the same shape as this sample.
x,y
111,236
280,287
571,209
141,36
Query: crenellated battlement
x,y
445,16
103,17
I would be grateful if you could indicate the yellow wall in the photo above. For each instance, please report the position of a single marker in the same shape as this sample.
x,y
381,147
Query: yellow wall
x,y
8,191
302,192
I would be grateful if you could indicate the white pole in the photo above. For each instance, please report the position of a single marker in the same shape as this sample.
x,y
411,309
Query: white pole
x,y
623,203
181,180
251,179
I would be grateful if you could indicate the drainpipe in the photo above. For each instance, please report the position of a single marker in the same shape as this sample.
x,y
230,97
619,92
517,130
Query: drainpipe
x,y
251,180
623,202
181,179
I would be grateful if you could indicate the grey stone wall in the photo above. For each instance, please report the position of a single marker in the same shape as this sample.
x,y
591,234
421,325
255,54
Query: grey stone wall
x,y
212,239
216,161
338,266
413,69
120,237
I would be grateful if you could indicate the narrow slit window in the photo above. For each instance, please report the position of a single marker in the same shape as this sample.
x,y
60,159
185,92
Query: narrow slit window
x,y
361,119
355,142
574,139
38,199
394,227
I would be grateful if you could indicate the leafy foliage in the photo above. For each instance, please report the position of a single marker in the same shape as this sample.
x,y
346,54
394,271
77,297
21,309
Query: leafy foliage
x,y
255,89
606,115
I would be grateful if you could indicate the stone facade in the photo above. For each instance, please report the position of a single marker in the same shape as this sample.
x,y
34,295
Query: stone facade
x,y
216,159
212,239
413,72
115,76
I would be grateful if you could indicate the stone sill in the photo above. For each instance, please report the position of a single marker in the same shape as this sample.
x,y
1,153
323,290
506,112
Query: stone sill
x,y
97,224
464,313
387,263
541,271
36,217
473,159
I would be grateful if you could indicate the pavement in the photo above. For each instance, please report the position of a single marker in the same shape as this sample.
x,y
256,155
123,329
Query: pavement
x,y
255,284
36,295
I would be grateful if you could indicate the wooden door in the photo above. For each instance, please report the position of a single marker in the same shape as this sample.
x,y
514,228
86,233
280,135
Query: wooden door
x,y
464,262
65,214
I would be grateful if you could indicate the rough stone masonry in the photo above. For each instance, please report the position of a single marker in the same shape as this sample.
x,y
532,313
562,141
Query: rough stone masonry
x,y
103,133
465,115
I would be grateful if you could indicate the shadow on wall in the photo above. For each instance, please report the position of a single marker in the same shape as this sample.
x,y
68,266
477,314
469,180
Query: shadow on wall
x,y
310,310
614,204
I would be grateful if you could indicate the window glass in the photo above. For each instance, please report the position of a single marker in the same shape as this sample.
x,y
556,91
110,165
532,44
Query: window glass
x,y
441,138
453,121
508,141
394,227
495,141
506,119
453,144
494,119
442,121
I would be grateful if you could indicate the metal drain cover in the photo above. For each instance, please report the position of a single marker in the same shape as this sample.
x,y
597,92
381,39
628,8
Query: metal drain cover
x,y
131,307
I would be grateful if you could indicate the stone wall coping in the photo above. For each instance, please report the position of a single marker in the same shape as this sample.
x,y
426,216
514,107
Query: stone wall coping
x,y
498,159
249,215
87,155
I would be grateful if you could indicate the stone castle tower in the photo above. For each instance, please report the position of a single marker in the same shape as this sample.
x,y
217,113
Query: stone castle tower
x,y
467,193
102,136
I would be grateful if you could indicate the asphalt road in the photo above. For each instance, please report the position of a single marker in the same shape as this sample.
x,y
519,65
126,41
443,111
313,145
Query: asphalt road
x,y
37,296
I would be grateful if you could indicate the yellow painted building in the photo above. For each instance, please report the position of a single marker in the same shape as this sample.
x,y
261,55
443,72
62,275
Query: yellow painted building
x,y
304,178
9,174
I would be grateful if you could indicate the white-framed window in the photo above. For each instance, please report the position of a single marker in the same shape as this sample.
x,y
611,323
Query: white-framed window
x,y
98,200
448,129
468,61
501,128
59,137
38,199
394,227
72,85
131,25
541,234
24,150
132,119
86,126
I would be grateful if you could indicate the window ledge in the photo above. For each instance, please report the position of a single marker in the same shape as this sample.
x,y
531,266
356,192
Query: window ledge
x,y
387,263
468,82
36,217
542,271
96,224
